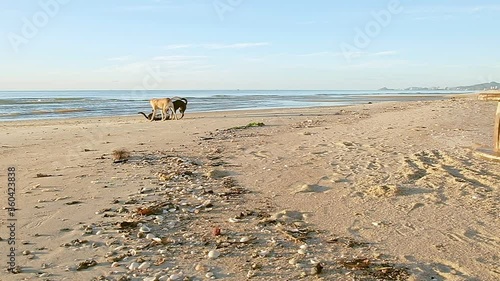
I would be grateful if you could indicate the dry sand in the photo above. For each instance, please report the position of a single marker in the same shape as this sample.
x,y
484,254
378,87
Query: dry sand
x,y
387,191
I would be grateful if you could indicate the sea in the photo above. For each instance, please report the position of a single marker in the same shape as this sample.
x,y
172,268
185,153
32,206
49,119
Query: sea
x,y
31,105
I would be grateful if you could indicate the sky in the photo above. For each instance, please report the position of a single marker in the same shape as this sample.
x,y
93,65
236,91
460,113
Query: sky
x,y
247,44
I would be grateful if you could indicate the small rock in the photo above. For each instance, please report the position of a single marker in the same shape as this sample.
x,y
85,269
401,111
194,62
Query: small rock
x,y
133,266
200,267
213,254
144,229
144,265
86,264
244,239
176,277
216,231
264,253
217,174
317,269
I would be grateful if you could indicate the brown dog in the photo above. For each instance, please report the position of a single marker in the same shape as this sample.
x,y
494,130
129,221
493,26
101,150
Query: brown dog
x,y
164,104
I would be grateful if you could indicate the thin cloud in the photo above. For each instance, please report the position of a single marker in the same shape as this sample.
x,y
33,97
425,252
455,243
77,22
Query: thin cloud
x,y
383,64
217,46
161,6
177,58
178,46
235,46
446,12
122,58
384,53
317,54
307,22
491,8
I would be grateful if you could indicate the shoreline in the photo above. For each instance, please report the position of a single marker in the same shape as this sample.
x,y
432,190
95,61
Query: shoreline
x,y
398,180
81,111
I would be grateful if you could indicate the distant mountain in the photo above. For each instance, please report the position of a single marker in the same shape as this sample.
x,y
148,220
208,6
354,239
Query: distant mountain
x,y
477,87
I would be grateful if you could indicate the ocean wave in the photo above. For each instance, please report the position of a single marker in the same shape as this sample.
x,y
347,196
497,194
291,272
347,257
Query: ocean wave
x,y
10,114
69,110
57,111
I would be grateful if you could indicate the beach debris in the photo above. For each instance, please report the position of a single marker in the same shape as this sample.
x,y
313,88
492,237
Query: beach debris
x,y
127,224
73,202
146,211
249,125
120,155
16,270
86,264
75,243
175,223
317,269
41,175
144,229
356,264
348,242
217,174
216,231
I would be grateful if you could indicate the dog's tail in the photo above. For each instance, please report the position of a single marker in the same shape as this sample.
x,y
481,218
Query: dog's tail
x,y
143,114
184,100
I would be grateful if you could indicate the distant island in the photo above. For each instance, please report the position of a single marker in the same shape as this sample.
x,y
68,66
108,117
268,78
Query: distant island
x,y
477,87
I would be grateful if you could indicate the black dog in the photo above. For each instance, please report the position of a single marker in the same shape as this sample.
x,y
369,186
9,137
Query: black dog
x,y
181,104
157,117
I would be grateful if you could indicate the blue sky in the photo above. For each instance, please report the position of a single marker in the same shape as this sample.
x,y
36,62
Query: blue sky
x,y
247,44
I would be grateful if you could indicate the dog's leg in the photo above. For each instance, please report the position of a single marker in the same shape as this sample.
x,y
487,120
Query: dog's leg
x,y
181,110
183,107
164,113
173,110
153,114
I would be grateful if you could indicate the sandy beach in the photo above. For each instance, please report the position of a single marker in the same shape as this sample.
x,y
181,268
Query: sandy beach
x,y
384,191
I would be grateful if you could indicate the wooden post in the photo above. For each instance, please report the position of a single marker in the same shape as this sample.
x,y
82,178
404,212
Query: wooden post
x,y
494,96
497,130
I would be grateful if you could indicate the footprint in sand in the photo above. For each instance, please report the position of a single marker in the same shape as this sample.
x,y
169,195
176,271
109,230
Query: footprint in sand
x,y
310,188
261,154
